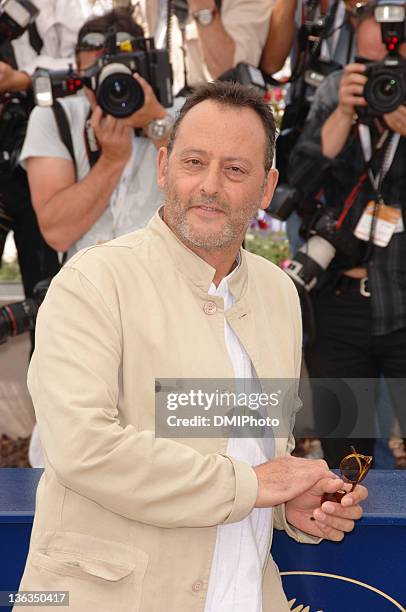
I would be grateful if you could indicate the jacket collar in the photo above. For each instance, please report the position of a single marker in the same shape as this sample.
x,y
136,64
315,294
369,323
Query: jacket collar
x,y
198,271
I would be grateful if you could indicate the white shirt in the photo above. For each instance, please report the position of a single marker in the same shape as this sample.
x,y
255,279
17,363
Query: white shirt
x,y
137,195
235,583
58,24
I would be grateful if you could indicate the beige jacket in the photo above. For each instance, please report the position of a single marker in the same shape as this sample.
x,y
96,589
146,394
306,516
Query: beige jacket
x,y
124,521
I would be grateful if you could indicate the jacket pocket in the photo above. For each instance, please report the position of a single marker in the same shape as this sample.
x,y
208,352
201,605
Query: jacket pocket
x,y
69,564
103,574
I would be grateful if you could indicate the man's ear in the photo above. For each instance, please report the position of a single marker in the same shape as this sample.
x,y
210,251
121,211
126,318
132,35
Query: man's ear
x,y
270,186
162,166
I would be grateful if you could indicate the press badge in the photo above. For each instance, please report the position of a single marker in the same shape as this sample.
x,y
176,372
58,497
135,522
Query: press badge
x,y
388,221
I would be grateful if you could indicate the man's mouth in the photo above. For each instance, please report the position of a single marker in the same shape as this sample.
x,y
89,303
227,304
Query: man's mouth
x,y
209,209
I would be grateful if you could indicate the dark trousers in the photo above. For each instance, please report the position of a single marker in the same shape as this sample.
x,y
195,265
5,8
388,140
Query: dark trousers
x,y
36,259
345,348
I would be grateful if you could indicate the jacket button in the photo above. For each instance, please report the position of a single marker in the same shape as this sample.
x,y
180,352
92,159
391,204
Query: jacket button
x,y
210,308
197,586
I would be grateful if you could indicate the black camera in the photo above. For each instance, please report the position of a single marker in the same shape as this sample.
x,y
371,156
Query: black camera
x,y
14,114
385,89
15,18
316,254
20,317
111,78
245,74
319,229
15,107
286,199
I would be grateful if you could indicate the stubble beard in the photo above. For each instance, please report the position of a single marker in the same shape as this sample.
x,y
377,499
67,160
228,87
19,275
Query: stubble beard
x,y
233,229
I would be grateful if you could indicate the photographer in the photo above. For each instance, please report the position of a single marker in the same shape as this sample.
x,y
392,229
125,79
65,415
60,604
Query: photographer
x,y
286,18
208,37
318,36
360,300
25,45
115,190
110,186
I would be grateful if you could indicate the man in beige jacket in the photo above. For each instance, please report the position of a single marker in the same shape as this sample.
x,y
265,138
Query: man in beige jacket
x,y
130,522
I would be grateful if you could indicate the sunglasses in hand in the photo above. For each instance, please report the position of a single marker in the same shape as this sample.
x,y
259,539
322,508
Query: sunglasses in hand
x,y
354,467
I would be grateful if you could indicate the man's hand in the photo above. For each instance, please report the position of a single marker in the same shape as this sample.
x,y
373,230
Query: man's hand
x,y
285,478
336,129
114,137
352,88
13,80
151,109
396,121
332,520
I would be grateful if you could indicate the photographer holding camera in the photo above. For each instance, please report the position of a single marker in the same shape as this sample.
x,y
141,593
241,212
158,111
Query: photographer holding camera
x,y
109,187
353,150
318,36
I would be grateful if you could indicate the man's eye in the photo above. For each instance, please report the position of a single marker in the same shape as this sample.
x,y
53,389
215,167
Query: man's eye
x,y
193,162
236,170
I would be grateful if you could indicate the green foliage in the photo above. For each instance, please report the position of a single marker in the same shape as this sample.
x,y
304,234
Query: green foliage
x,y
271,245
10,271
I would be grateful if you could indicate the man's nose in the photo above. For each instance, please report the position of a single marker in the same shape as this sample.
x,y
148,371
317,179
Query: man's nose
x,y
211,180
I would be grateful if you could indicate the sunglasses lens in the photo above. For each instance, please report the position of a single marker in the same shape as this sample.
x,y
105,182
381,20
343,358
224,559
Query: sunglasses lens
x,y
123,37
92,41
350,468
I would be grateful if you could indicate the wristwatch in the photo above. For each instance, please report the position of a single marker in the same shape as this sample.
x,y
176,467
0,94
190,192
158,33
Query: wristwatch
x,y
205,16
159,128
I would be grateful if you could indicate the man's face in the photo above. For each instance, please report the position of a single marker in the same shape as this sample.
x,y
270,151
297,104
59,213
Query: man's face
x,y
369,39
214,179
86,59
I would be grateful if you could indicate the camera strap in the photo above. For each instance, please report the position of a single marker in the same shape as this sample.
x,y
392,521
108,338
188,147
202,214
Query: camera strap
x,y
35,39
91,144
389,155
63,126
65,134
380,148
7,54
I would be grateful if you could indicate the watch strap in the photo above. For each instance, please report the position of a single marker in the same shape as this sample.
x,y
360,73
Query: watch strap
x,y
205,16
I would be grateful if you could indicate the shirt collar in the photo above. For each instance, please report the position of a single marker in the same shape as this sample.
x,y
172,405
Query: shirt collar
x,y
223,287
191,265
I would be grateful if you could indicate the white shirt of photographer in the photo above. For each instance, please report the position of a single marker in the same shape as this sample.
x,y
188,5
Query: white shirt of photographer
x,y
137,195
235,582
58,24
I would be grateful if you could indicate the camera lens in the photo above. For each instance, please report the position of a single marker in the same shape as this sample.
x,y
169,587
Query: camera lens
x,y
385,91
118,93
119,90
388,88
